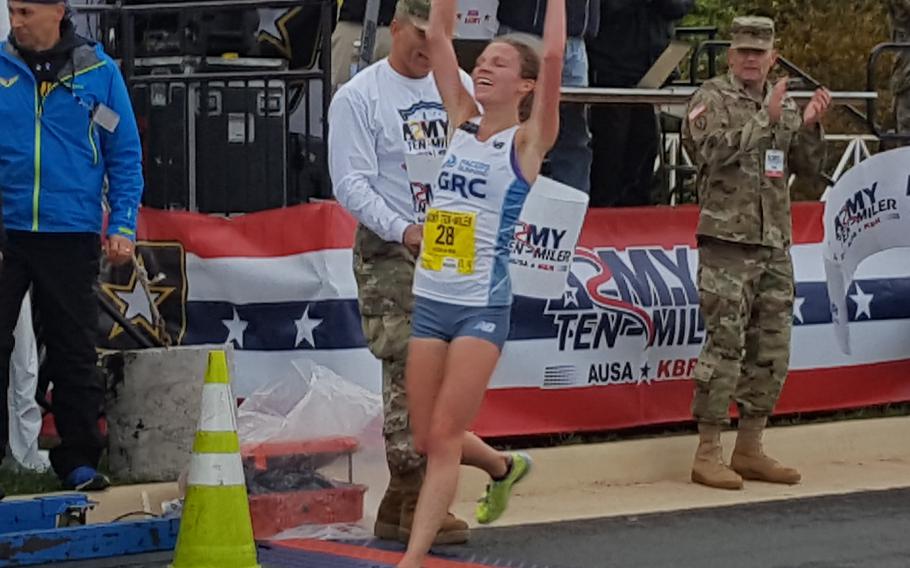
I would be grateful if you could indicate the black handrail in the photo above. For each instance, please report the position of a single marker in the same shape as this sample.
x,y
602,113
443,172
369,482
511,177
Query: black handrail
x,y
874,55
816,84
226,76
710,31
690,31
710,46
206,5
783,61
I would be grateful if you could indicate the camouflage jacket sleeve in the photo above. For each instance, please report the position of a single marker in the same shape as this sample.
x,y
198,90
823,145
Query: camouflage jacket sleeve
x,y
807,152
712,137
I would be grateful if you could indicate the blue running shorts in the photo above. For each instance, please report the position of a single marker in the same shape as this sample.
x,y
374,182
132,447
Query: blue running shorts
x,y
439,320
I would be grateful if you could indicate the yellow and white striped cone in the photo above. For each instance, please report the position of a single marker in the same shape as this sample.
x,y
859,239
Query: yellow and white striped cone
x,y
216,530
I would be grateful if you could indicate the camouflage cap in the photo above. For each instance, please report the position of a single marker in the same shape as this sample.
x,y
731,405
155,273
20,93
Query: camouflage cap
x,y
752,32
418,11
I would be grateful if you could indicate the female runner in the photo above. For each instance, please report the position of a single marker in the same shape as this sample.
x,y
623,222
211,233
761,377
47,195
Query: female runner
x,y
462,290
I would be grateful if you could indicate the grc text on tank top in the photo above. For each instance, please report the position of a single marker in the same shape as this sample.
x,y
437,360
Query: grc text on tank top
x,y
473,212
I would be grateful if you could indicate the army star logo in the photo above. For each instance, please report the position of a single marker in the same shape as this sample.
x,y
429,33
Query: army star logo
x,y
277,33
7,83
121,286
133,302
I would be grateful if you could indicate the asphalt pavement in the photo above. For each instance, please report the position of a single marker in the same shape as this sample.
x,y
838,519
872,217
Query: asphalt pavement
x,y
858,530
868,530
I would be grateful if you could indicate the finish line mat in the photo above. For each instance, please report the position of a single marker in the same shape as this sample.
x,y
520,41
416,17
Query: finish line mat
x,y
373,554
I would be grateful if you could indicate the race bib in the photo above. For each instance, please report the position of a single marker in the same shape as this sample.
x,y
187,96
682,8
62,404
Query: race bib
x,y
448,241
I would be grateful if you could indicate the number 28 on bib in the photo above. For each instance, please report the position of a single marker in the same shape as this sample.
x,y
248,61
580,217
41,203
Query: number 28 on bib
x,y
448,241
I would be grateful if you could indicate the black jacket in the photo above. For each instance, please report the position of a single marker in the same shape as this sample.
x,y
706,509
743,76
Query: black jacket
x,y
582,16
354,10
633,34
46,65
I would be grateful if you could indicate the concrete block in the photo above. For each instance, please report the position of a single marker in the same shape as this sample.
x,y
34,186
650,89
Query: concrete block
x,y
153,405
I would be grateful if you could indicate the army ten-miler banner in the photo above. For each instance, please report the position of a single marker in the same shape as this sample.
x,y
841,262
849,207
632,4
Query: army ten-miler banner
x,y
615,350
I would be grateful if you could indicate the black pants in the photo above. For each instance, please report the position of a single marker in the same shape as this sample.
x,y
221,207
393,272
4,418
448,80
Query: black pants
x,y
624,141
61,269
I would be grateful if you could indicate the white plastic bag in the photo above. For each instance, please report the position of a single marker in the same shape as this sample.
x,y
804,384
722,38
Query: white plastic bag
x,y
313,404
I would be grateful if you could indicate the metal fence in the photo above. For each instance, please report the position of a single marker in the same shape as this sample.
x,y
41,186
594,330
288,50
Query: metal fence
x,y
872,82
236,134
225,132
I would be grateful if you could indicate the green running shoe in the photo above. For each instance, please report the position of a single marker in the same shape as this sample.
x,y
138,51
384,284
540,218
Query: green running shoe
x,y
494,502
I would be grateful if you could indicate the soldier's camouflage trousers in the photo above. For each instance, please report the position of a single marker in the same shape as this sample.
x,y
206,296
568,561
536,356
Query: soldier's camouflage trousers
x,y
385,276
747,304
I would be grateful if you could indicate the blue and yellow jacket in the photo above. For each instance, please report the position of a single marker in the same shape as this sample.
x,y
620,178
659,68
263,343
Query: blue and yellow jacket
x,y
54,159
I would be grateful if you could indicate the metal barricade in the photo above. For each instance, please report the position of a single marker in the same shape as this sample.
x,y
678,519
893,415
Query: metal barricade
x,y
872,85
226,134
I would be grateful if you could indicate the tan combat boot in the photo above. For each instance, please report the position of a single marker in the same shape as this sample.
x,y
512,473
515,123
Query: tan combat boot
x,y
749,459
452,531
709,468
388,517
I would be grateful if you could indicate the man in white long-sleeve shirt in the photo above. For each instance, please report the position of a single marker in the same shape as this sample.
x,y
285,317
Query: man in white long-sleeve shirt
x,y
387,111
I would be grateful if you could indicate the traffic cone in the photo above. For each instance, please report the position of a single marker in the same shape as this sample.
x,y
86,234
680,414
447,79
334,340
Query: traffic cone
x,y
215,530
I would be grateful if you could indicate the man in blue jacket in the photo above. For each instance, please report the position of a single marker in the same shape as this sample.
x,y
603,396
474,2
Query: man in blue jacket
x,y
570,158
69,138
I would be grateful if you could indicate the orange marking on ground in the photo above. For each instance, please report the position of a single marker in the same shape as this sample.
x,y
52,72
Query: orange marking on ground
x,y
366,553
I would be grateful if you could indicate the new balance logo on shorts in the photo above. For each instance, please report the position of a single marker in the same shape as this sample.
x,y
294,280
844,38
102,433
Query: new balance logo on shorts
x,y
486,327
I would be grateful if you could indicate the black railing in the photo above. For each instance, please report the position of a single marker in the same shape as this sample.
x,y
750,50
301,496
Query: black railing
x,y
714,47
217,130
872,85
224,178
693,32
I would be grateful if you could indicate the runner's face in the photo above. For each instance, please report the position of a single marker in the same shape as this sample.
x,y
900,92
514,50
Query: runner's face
x,y
409,44
497,76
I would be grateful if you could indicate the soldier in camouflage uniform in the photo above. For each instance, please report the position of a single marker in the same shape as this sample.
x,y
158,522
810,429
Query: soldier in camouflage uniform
x,y
746,137
900,78
367,148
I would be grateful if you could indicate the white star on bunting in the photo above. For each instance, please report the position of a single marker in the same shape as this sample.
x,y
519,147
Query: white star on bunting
x,y
305,327
863,303
798,309
236,327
